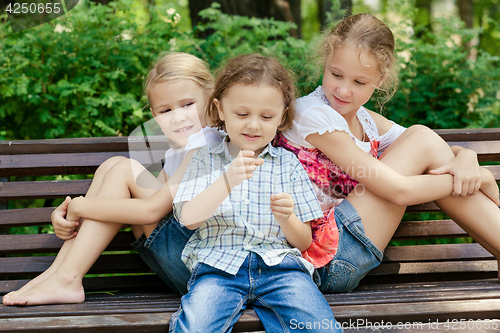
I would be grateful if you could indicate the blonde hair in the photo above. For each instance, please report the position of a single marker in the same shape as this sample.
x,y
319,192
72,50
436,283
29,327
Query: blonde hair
x,y
179,66
373,35
252,69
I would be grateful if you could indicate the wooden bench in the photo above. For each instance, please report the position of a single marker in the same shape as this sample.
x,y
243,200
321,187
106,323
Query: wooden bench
x,y
415,286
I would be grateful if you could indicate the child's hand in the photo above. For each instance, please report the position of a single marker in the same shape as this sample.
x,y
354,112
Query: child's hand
x,y
466,173
281,206
242,168
63,228
489,186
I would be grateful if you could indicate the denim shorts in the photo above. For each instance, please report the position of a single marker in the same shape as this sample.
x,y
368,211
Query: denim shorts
x,y
162,252
355,257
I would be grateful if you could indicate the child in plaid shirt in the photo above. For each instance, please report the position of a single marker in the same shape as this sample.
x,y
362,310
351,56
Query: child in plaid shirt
x,y
250,204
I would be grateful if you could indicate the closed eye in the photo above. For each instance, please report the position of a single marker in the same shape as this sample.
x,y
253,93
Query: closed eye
x,y
188,104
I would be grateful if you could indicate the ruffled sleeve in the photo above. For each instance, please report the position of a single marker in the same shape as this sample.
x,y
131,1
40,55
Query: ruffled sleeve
x,y
312,115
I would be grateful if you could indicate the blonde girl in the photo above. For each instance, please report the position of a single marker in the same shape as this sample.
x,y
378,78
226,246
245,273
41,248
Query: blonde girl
x,y
177,87
366,169
250,204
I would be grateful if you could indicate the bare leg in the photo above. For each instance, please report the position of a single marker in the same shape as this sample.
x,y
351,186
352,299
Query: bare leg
x,y
64,285
91,192
477,214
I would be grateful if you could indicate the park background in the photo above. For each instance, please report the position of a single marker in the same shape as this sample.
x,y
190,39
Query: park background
x,y
81,74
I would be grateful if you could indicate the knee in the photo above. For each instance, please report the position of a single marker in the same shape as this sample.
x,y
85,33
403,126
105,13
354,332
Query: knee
x,y
431,143
108,164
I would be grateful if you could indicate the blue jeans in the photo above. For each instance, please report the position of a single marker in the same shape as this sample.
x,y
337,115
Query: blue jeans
x,y
284,297
355,257
162,252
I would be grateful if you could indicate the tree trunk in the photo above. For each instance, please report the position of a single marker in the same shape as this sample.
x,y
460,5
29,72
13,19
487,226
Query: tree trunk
x,y
466,12
282,10
327,6
423,14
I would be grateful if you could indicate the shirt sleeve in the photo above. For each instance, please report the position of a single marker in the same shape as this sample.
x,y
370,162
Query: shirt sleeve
x,y
195,180
392,134
313,116
306,205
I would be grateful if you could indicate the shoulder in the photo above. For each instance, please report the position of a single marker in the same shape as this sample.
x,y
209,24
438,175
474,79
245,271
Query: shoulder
x,y
383,124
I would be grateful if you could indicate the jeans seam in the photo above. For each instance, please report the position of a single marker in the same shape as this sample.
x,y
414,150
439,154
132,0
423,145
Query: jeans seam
x,y
236,311
280,319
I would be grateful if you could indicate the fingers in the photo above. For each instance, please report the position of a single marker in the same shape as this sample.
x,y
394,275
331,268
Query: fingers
x,y
465,186
282,203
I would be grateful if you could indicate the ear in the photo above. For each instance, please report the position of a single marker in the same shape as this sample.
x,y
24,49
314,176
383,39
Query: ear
x,y
219,108
151,109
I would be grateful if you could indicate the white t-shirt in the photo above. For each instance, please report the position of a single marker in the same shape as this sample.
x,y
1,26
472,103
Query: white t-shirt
x,y
313,114
206,137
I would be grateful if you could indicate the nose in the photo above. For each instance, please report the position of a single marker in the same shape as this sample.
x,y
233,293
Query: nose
x,y
253,124
178,115
344,90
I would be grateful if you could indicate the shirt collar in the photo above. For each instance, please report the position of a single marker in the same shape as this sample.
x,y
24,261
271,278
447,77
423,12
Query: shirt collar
x,y
222,148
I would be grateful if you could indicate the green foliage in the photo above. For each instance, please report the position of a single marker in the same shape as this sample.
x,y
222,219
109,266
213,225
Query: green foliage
x,y
81,75
235,35
441,86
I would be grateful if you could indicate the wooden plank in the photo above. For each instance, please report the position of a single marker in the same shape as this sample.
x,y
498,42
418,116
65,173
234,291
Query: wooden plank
x,y
54,164
58,146
435,252
79,145
25,216
43,189
469,134
486,150
116,263
50,243
428,229
103,283
435,267
421,311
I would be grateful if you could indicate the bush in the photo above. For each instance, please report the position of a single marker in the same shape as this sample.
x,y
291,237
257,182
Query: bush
x,y
440,85
81,74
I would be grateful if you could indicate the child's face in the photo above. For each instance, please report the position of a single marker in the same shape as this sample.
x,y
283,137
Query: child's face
x,y
178,107
252,115
350,77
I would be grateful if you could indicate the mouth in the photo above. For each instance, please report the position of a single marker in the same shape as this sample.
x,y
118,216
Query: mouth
x,y
184,129
339,101
251,137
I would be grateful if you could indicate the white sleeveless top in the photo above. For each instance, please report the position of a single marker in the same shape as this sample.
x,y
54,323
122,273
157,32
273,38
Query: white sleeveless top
x,y
313,114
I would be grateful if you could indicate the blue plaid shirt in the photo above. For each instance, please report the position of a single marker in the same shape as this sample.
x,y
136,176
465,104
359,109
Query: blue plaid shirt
x,y
243,223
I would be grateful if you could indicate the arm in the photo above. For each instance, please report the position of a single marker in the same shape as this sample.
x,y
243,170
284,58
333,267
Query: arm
x,y
297,233
196,211
131,210
378,177
127,211
465,169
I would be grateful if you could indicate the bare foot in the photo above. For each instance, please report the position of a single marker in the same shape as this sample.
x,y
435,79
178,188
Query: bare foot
x,y
40,278
58,289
